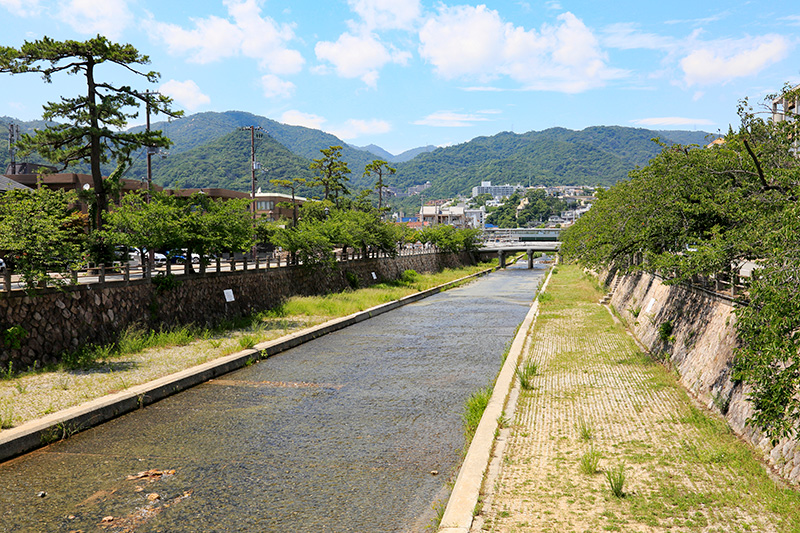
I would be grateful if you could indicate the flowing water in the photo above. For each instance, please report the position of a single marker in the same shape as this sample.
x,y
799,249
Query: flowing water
x,y
358,431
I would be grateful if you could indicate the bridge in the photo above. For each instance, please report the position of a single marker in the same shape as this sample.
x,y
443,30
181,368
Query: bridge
x,y
505,241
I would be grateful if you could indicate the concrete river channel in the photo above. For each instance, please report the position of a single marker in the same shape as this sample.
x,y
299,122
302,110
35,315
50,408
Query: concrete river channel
x,y
357,431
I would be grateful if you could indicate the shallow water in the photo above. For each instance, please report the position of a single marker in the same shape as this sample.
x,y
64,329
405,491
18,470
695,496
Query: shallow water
x,y
339,434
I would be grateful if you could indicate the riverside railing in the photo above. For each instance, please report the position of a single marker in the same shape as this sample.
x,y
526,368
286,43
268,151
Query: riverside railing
x,y
127,272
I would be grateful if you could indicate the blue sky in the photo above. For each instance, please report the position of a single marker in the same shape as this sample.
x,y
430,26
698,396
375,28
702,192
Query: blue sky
x,y
408,73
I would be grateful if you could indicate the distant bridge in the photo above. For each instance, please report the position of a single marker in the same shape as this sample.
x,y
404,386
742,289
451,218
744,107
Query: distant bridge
x,y
505,241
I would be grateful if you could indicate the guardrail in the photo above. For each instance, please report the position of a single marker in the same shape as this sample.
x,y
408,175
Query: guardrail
x,y
126,272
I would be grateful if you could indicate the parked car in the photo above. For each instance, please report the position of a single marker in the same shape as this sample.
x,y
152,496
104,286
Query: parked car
x,y
158,258
2,265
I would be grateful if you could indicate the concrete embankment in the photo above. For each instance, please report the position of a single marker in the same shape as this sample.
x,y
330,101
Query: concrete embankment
x,y
695,330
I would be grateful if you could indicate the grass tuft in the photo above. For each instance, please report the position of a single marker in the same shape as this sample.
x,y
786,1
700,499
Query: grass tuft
x,y
526,373
473,411
616,480
585,429
590,461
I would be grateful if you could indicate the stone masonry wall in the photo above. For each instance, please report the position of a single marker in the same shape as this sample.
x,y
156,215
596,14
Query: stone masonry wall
x,y
701,348
58,321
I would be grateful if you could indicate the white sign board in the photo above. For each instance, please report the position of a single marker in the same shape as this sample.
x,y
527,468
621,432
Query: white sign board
x,y
228,295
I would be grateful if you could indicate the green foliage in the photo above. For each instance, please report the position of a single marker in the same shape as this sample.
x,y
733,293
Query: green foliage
x,y
331,173
94,133
12,337
449,239
352,279
195,223
379,168
616,480
473,411
41,232
665,331
409,276
525,374
165,282
590,461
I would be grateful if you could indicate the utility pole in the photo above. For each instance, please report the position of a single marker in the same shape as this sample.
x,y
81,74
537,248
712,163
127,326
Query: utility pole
x,y
13,137
150,150
254,165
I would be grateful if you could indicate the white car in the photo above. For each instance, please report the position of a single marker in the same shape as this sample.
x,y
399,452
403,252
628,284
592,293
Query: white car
x,y
2,265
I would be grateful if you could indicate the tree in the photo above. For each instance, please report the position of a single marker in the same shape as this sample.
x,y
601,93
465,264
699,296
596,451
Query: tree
x,y
379,167
291,184
331,173
42,233
93,133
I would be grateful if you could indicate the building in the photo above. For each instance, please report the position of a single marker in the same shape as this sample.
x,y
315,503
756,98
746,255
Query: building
x,y
276,206
433,215
6,184
417,189
786,108
497,191
476,218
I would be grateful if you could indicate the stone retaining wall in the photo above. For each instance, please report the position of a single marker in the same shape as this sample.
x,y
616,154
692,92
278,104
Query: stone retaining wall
x,y
58,321
701,347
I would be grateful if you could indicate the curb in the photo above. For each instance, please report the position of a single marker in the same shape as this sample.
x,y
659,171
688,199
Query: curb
x,y
65,423
459,513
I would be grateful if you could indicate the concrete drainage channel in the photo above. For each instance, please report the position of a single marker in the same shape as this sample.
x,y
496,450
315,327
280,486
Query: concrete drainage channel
x,y
480,461
60,425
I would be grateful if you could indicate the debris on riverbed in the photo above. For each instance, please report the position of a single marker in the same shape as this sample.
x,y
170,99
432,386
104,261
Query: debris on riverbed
x,y
152,474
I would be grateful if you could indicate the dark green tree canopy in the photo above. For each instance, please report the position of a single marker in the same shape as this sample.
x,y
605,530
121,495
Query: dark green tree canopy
x,y
92,131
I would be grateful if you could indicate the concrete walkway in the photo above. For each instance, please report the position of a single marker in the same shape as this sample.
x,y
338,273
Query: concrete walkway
x,y
597,396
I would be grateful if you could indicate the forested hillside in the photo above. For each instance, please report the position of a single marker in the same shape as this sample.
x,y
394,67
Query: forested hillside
x,y
557,156
211,150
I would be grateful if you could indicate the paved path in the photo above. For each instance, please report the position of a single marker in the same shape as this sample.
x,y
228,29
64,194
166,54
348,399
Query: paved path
x,y
595,390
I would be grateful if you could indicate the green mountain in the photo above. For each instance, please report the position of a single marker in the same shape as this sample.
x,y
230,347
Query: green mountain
x,y
212,150
200,129
556,156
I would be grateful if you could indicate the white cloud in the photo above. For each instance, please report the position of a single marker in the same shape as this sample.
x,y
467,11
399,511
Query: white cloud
x,y
354,128
474,42
274,87
450,119
358,56
387,14
298,118
626,36
673,121
89,17
722,61
186,93
248,34
22,8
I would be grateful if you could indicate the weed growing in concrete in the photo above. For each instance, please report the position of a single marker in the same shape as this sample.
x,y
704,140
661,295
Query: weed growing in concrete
x,y
585,429
438,507
247,341
473,411
7,373
525,374
590,461
6,417
665,332
21,387
616,480
545,297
